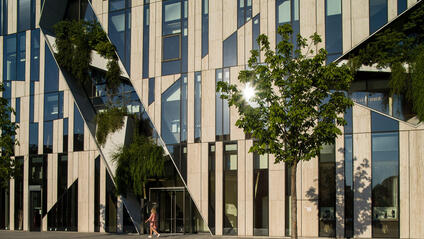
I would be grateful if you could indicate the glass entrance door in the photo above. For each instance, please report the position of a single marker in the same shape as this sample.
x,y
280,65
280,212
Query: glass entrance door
x,y
169,204
35,210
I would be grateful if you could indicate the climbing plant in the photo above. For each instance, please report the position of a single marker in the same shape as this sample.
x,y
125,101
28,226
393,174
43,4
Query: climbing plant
x,y
75,41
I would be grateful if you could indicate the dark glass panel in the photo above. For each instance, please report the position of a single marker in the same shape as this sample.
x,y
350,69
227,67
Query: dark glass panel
x,y
184,108
256,31
97,194
230,206
9,51
48,137
327,191
33,138
151,90
382,123
333,28
225,107
21,51
18,110
385,184
35,55
218,104
110,220
230,50
197,106
146,40
240,13
78,130
171,119
402,6
3,17
62,174
378,14
4,206
26,14
120,30
63,216
348,170
205,27
116,5
260,195
51,72
19,194
36,170
171,67
348,128
65,134
171,17
51,106
287,201
171,47
211,187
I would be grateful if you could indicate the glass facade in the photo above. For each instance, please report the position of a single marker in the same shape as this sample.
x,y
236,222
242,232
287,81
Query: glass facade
x,y
230,222
48,137
18,110
35,55
333,29
211,187
256,31
19,194
111,205
287,12
151,90
146,39
222,110
348,173
229,50
53,105
197,106
20,59
33,138
327,191
402,5
378,14
120,29
51,72
260,195
65,134
244,12
3,17
385,176
26,15
62,174
205,27
174,36
78,130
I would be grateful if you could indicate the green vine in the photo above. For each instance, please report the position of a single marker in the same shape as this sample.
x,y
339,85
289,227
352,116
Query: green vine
x,y
75,40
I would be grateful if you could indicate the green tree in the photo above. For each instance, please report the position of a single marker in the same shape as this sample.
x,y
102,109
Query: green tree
x,y
399,47
292,113
8,166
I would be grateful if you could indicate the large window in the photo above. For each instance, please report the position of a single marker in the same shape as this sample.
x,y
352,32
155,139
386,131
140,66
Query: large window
x,y
120,29
197,106
33,138
348,173
222,110
402,6
256,31
385,176
35,55
327,191
230,50
333,29
244,12
48,137
378,14
174,122
211,187
205,27
78,130
230,189
174,36
14,57
287,12
26,15
146,38
51,72
260,195
53,105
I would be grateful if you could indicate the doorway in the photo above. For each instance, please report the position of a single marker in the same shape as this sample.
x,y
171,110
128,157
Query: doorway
x,y
170,206
35,211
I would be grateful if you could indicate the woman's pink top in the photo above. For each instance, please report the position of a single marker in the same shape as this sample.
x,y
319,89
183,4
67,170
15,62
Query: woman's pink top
x,y
153,220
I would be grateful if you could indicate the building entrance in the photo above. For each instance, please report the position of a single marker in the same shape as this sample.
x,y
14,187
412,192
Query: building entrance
x,y
35,209
170,206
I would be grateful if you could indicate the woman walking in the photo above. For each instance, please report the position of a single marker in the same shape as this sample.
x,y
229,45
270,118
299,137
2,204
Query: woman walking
x,y
153,222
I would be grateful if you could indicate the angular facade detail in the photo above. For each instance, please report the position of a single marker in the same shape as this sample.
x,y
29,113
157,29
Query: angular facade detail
x,y
172,53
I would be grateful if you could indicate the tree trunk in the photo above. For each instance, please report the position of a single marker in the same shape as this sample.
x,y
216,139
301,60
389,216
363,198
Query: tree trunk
x,y
293,194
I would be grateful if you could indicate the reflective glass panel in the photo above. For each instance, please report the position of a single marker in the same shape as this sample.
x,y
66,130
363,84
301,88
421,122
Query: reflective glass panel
x,y
51,106
26,14
51,72
151,90
333,28
18,110
402,6
230,222
260,195
184,108
327,191
65,134
21,51
9,65
78,130
205,27
33,138
171,100
197,105
218,104
378,14
211,187
146,40
35,55
48,137
230,50
171,47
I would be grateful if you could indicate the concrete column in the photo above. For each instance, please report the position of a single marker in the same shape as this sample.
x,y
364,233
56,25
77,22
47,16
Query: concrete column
x,y
360,20
268,22
12,204
404,178
152,38
362,172
411,3
392,9
158,37
12,20
308,17
308,198
204,182
416,193
136,43
219,188
208,106
190,107
216,33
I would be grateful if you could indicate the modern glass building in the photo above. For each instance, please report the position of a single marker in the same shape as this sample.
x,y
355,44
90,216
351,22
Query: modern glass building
x,y
172,54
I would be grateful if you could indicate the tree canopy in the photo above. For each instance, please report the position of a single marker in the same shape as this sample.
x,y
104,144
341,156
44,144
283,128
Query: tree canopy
x,y
8,165
400,47
292,113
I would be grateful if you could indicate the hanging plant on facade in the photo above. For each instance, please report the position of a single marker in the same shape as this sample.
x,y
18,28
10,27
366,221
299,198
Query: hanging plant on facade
x,y
75,42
